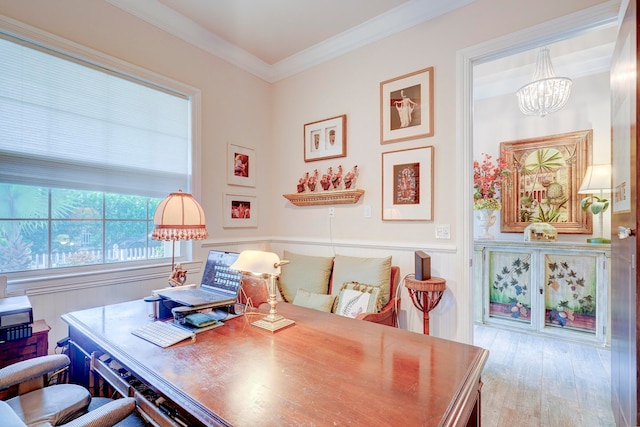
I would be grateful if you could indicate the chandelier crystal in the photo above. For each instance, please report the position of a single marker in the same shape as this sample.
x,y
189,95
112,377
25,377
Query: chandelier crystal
x,y
546,93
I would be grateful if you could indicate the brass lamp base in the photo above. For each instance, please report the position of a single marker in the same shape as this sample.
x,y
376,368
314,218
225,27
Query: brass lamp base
x,y
273,322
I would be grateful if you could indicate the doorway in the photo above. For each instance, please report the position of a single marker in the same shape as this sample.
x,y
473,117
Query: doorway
x,y
482,98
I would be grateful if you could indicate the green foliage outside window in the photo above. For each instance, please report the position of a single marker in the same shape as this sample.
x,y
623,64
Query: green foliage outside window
x,y
49,227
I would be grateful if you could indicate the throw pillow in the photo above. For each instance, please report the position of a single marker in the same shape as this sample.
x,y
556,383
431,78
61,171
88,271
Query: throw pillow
x,y
375,303
372,271
322,302
304,271
355,299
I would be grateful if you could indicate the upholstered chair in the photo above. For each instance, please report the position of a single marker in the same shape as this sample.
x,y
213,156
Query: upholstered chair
x,y
254,291
59,404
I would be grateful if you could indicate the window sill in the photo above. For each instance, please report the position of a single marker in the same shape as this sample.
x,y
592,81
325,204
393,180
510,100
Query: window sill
x,y
49,281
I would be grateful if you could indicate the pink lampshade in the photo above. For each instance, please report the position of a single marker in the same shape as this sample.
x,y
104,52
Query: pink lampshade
x,y
179,217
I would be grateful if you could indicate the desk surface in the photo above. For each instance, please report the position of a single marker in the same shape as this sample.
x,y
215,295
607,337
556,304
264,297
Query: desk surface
x,y
324,370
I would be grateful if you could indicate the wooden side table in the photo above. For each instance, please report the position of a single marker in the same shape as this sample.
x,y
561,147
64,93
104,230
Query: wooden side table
x,y
26,348
425,294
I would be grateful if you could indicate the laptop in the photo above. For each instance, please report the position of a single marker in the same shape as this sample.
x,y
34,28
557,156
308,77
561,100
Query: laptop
x,y
219,285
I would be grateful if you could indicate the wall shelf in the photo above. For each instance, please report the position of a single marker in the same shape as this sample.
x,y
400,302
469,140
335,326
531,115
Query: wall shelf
x,y
337,197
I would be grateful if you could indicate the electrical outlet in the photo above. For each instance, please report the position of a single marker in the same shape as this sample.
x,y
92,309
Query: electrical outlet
x,y
443,231
332,212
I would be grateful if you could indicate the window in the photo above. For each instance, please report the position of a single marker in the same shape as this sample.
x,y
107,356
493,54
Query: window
x,y
86,154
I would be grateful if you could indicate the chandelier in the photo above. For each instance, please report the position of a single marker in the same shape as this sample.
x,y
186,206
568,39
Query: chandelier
x,y
546,93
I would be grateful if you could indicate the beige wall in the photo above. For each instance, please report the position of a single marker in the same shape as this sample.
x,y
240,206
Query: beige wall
x,y
350,85
235,104
239,108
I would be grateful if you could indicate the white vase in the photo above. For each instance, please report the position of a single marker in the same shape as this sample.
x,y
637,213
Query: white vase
x,y
486,218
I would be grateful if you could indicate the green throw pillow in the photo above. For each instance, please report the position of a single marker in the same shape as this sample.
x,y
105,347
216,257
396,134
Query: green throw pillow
x,y
304,271
372,271
322,302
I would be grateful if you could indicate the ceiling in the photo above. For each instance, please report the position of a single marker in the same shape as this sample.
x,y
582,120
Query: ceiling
x,y
274,39
581,55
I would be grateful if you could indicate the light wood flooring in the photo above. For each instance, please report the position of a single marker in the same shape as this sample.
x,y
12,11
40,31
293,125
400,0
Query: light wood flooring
x,y
534,381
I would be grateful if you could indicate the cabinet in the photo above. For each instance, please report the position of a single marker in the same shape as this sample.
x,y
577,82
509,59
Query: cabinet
x,y
26,348
550,288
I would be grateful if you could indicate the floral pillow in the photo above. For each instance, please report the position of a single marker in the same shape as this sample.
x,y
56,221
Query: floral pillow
x,y
356,298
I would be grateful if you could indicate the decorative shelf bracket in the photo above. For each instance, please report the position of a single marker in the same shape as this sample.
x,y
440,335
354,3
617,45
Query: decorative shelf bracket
x,y
337,197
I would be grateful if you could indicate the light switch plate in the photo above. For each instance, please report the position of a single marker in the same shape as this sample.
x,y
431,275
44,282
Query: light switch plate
x,y
443,231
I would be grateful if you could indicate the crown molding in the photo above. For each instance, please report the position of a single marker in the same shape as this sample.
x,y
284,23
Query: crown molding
x,y
396,20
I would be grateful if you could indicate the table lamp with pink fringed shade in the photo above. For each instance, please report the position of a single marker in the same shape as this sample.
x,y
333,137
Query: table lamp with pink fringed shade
x,y
178,217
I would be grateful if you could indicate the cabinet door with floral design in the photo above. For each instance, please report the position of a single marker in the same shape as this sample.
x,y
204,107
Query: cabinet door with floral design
x,y
510,286
570,291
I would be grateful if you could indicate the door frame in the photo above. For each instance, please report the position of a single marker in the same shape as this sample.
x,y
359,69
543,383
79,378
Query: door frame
x,y
546,33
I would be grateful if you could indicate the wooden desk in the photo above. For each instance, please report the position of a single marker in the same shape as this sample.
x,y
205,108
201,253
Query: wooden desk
x,y
324,370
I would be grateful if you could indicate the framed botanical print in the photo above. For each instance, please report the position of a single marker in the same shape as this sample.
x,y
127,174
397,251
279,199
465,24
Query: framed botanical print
x,y
407,185
406,107
325,139
239,210
546,174
241,166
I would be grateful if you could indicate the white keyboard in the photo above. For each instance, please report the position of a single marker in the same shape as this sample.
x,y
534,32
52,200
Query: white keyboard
x,y
163,334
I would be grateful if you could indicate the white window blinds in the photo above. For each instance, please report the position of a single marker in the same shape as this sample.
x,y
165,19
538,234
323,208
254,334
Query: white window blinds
x,y
65,123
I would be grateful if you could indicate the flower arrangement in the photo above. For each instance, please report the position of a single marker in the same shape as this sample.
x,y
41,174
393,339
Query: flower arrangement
x,y
488,178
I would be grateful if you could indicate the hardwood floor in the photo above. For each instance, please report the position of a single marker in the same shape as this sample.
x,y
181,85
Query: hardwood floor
x,y
534,381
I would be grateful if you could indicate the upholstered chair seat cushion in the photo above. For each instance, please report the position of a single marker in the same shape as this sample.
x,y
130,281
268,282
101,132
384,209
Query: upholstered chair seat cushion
x,y
52,405
8,417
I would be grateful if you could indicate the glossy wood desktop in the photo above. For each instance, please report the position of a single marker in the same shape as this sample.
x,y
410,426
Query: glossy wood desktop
x,y
324,370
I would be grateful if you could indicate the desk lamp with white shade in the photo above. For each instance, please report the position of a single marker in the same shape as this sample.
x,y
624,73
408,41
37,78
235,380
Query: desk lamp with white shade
x,y
267,263
597,180
178,217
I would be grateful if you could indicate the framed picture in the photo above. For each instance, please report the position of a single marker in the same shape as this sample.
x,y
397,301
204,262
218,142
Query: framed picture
x,y
406,107
546,174
325,139
239,210
241,166
407,185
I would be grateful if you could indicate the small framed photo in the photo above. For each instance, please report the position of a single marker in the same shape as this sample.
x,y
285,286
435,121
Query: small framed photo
x,y
241,166
325,139
407,185
406,107
239,211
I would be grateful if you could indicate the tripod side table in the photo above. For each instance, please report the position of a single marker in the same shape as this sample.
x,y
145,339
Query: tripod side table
x,y
426,295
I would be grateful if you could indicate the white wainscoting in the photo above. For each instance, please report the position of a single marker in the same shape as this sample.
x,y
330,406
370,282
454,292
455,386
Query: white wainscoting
x,y
51,298
443,320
